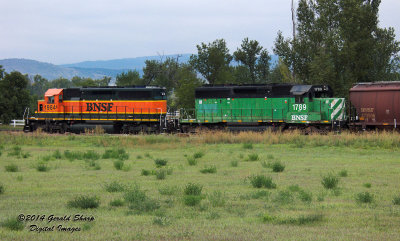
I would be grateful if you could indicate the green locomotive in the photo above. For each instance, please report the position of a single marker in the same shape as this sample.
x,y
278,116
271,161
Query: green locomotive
x,y
258,107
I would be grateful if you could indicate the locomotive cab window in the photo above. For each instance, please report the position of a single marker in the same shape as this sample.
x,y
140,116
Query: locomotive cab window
x,y
41,107
50,100
299,99
60,98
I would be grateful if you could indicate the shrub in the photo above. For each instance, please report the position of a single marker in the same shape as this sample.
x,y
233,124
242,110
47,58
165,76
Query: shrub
x,y
343,173
367,185
330,181
234,163
160,162
252,157
170,171
114,187
395,201
57,154
192,161
270,157
13,224
259,181
117,203
139,157
1,188
168,190
217,199
25,155
209,169
266,164
193,189
84,202
138,201
247,146
145,172
300,220
277,166
294,188
305,196
91,155
161,220
192,200
118,164
364,197
15,151
161,174
42,167
11,168
73,155
93,164
284,197
198,155
119,154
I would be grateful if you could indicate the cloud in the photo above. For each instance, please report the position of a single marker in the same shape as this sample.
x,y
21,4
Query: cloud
x,y
70,31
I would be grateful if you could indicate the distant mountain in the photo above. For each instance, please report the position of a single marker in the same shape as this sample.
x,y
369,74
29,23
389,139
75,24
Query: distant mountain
x,y
51,71
131,63
89,69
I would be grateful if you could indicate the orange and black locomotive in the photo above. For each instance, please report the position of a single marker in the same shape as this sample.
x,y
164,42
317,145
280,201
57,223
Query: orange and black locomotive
x,y
115,109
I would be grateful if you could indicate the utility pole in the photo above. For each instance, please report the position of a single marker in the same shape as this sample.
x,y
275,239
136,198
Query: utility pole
x,y
294,38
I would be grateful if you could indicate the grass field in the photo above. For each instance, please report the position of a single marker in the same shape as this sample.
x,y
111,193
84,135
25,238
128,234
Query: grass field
x,y
211,186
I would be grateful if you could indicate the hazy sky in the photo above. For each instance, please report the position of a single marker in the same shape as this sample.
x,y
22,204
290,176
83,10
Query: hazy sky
x,y
71,31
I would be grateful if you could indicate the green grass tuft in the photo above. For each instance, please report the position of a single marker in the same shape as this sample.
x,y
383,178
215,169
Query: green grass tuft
x,y
248,146
330,181
209,169
193,189
119,164
119,154
114,187
11,168
198,155
161,174
192,161
42,167
343,173
252,157
364,197
160,162
116,203
84,202
367,185
138,201
277,166
2,189
13,224
145,172
396,200
259,181
234,163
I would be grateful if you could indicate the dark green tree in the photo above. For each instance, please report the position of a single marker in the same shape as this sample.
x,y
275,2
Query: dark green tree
x,y
340,43
14,97
39,85
60,83
130,78
255,58
212,62
187,81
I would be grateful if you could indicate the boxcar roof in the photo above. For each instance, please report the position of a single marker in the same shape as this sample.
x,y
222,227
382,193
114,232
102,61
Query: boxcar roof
x,y
376,86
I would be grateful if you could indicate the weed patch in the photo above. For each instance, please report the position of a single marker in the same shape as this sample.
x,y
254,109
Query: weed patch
x,y
114,187
11,168
330,181
259,181
13,224
160,162
84,202
138,201
364,197
277,166
209,169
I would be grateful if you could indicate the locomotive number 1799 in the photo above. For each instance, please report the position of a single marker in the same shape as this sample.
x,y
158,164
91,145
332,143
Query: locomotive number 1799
x,y
299,107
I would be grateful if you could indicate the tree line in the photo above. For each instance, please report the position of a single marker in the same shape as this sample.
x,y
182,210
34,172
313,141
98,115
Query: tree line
x,y
336,42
